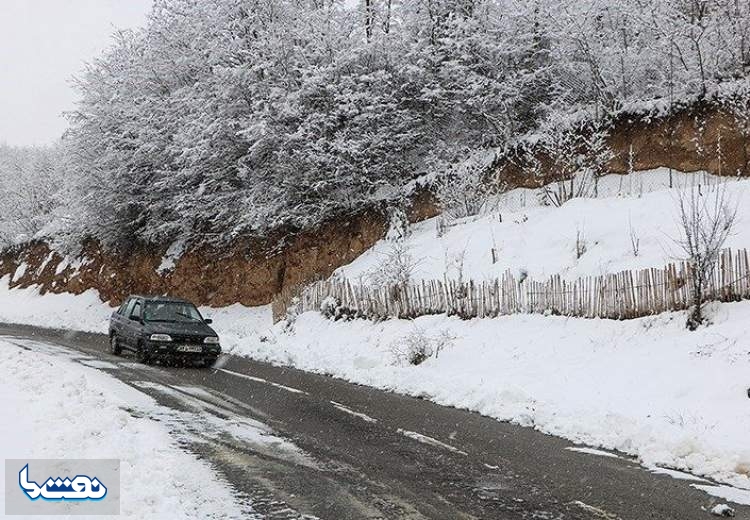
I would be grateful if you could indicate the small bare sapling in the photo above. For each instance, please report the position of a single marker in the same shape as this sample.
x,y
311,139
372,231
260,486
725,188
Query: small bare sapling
x,y
706,218
580,243
635,241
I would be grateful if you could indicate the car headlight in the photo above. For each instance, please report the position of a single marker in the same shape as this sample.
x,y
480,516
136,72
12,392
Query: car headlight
x,y
211,340
160,337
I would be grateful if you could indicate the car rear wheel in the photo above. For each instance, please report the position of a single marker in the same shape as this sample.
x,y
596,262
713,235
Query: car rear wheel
x,y
209,362
114,345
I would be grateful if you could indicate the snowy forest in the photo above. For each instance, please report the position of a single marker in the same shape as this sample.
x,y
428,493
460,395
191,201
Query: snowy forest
x,y
224,119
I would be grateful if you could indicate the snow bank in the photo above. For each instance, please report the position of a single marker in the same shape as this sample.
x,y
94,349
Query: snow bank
x,y
541,240
238,325
84,312
646,387
53,408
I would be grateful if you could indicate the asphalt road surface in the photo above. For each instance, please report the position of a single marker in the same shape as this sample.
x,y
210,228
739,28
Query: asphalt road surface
x,y
363,453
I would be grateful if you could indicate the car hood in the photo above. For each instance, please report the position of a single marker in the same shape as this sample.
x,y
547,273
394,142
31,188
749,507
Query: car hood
x,y
189,329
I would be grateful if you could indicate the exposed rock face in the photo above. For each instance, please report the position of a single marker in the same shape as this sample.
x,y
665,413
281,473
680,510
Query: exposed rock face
x,y
252,273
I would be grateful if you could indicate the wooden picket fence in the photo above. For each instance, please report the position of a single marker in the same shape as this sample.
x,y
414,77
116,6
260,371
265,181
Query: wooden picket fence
x,y
623,295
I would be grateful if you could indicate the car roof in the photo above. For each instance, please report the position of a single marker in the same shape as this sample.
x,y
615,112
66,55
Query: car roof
x,y
168,299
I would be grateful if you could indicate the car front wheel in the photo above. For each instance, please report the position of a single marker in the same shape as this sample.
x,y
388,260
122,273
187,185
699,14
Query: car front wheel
x,y
142,356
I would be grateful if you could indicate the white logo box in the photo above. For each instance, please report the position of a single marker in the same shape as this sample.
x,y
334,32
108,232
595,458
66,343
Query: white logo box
x,y
39,471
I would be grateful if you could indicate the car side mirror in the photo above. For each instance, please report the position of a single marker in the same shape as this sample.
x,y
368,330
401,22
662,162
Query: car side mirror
x,y
208,321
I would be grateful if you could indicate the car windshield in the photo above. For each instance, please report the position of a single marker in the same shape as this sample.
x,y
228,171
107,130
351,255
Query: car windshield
x,y
171,312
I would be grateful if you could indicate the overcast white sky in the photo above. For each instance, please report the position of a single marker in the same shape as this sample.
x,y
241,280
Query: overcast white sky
x,y
42,44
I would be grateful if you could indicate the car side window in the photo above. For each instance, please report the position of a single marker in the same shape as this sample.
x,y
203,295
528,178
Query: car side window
x,y
129,308
136,313
121,310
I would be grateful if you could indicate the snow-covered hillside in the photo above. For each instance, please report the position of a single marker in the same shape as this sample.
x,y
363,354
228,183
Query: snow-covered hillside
x,y
541,240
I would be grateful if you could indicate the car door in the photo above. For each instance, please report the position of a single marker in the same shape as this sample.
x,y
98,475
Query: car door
x,y
118,317
133,323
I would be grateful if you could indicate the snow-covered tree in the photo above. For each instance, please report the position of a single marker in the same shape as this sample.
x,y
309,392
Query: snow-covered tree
x,y
223,119
32,187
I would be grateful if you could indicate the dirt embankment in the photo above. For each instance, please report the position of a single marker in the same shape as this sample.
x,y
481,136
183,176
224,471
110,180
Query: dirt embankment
x,y
252,273
697,138
249,274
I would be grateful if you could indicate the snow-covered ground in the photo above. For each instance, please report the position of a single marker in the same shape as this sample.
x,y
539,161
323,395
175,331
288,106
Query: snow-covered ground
x,y
53,407
646,387
84,312
541,240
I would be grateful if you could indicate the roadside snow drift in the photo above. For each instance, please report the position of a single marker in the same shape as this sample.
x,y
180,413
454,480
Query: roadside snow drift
x,y
84,312
55,408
